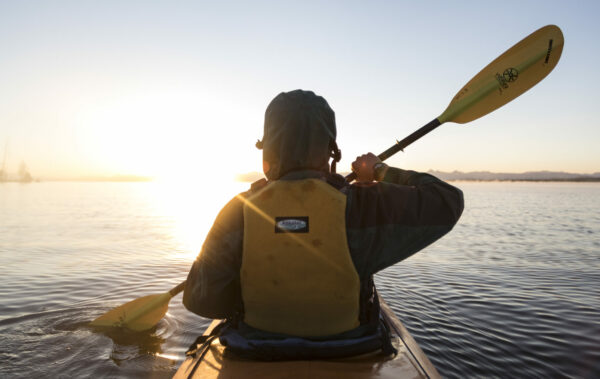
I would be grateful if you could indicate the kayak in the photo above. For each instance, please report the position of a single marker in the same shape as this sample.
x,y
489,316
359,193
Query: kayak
x,y
410,362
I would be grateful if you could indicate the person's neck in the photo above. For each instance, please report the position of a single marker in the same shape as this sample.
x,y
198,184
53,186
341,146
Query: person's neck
x,y
303,174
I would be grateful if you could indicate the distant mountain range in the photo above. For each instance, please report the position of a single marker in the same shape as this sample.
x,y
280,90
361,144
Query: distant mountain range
x,y
525,176
539,176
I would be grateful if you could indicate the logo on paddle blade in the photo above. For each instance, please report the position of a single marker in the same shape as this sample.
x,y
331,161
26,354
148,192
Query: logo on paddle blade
x,y
508,76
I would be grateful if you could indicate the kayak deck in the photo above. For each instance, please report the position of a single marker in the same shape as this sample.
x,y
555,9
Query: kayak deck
x,y
410,362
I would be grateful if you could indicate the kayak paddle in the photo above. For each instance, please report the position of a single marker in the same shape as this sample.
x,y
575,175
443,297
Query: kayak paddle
x,y
508,76
139,314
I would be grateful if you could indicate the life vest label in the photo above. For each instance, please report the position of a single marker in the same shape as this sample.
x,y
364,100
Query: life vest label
x,y
291,224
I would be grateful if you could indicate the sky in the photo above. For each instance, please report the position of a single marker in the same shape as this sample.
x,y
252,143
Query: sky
x,y
173,89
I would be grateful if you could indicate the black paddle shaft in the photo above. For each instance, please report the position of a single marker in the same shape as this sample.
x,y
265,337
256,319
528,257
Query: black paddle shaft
x,y
400,145
175,290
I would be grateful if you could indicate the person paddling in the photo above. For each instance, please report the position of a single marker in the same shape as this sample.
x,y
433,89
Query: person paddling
x,y
290,262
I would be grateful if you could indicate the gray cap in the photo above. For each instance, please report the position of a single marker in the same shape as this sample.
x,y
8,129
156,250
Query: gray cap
x,y
299,133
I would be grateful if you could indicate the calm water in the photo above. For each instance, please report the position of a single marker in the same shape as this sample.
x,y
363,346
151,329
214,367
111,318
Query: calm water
x,y
512,291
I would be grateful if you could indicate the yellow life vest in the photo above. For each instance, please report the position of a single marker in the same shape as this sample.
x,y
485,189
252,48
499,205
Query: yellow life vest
x,y
297,276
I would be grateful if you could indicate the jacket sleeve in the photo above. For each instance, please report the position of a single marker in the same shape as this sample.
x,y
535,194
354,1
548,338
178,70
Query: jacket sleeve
x,y
213,285
390,220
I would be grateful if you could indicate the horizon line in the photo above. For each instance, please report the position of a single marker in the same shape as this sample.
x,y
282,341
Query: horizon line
x,y
252,176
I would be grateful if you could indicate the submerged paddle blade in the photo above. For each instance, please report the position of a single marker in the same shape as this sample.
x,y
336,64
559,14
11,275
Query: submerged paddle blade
x,y
139,314
508,76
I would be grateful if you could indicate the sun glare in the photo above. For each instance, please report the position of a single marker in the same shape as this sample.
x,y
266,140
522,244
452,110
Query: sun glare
x,y
188,142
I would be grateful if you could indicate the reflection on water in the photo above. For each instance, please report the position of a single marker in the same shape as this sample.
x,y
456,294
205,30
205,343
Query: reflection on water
x,y
512,291
129,345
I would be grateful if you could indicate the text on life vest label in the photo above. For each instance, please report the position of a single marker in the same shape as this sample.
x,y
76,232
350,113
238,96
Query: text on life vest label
x,y
291,224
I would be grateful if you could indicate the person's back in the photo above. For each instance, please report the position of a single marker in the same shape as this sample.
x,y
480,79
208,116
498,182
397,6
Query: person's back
x,y
296,255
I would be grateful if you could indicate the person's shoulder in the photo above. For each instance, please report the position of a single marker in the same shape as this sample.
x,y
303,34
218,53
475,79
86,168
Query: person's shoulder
x,y
257,186
337,181
372,186
379,191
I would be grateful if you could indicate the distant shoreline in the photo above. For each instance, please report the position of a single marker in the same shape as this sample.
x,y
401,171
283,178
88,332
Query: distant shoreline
x,y
530,176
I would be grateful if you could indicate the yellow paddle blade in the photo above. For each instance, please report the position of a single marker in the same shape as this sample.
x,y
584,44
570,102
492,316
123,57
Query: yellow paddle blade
x,y
139,314
511,74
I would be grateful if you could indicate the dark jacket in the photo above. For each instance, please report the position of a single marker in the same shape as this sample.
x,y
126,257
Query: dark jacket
x,y
386,221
